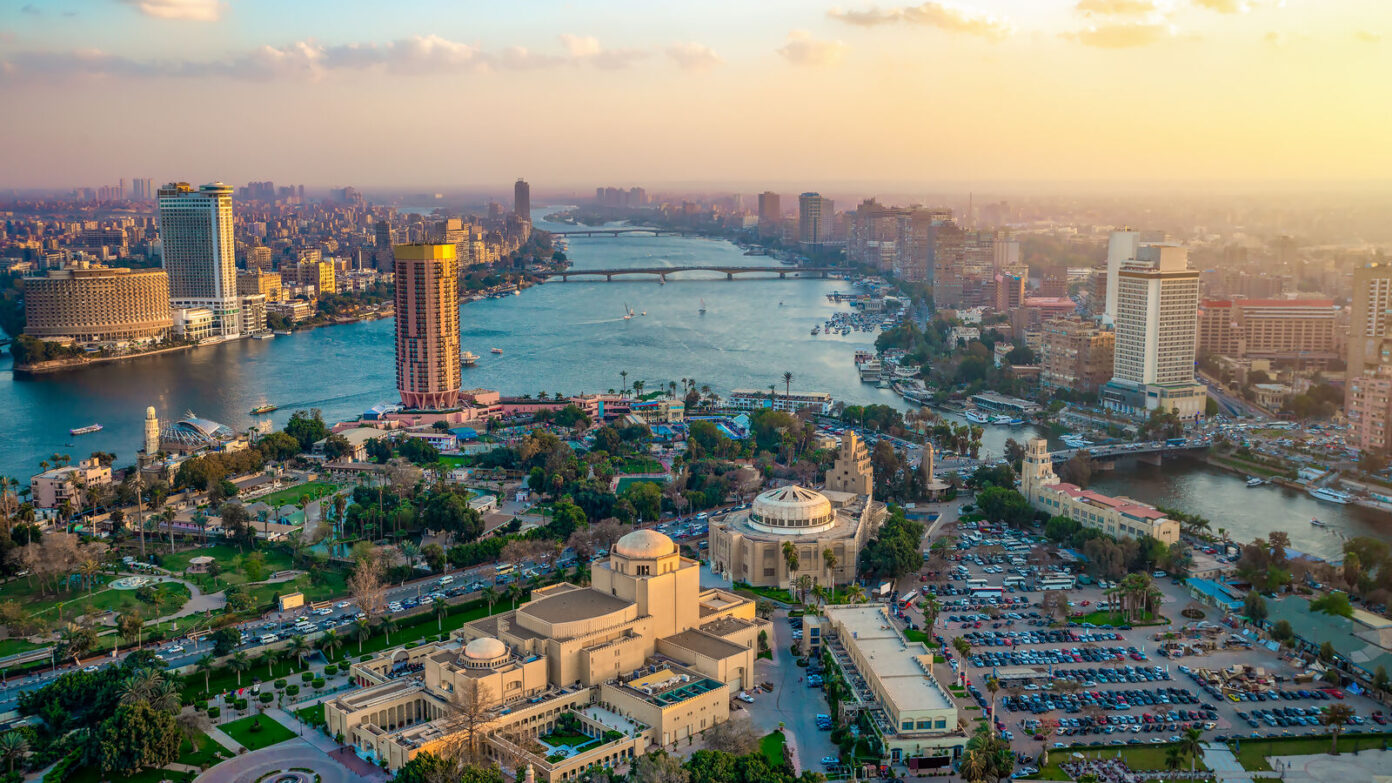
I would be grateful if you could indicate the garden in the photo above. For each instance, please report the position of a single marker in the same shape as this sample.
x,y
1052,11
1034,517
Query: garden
x,y
257,731
290,496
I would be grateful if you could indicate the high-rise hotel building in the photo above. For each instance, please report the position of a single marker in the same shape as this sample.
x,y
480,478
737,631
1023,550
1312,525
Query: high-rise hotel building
x,y
1156,312
1368,392
195,227
427,325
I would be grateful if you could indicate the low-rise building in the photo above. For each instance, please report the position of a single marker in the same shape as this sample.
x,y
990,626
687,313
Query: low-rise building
x,y
752,399
1115,516
659,411
194,323
98,304
259,281
69,484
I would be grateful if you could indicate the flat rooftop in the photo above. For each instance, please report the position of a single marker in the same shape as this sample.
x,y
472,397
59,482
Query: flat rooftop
x,y
897,663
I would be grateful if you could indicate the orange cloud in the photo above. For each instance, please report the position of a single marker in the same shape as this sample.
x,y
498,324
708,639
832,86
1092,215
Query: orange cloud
x,y
930,14
803,49
1120,36
1116,7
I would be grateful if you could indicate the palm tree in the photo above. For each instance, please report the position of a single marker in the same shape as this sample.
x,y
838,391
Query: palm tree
x,y
239,663
330,642
790,557
490,597
205,665
269,658
1335,716
930,607
855,594
514,592
962,646
1191,745
441,607
993,685
829,557
787,384
362,628
298,647
623,375
1174,758
388,624
13,747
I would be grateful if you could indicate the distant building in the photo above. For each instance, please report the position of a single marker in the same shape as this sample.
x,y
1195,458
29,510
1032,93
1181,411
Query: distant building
x,y
195,323
770,214
192,434
253,307
195,228
1077,355
98,304
317,273
1156,315
259,257
851,472
1116,516
68,483
751,399
427,326
659,411
259,281
1302,332
816,218
522,199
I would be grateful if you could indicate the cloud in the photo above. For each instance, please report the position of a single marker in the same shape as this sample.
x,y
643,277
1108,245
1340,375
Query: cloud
x,y
803,49
416,54
1367,36
188,10
930,14
31,9
693,56
1116,7
1121,36
586,48
1235,6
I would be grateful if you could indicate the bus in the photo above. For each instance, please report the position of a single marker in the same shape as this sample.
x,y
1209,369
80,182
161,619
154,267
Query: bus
x,y
1058,583
1017,582
504,569
988,592
976,583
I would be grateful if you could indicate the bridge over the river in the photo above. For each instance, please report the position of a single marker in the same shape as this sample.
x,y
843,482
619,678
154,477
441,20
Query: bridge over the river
x,y
661,272
615,232
1151,452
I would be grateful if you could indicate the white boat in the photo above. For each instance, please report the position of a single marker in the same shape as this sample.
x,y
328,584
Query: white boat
x,y
1318,523
1075,441
89,429
702,311
1330,495
1253,481
645,312
468,358
977,417
1001,419
628,312
497,350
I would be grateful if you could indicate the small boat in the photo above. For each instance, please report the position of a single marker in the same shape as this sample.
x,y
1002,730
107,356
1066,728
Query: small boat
x,y
468,358
1001,419
263,408
1253,481
628,312
497,350
702,311
816,330
1318,523
265,336
1075,441
88,430
645,312
1331,495
977,417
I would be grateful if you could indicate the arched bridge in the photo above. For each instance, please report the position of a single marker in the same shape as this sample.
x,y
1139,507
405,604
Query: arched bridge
x,y
614,232
661,272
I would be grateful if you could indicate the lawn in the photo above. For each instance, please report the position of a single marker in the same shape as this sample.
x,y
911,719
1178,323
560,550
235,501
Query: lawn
x,y
773,746
920,635
642,465
1252,753
314,716
569,739
1137,757
627,481
292,495
172,596
208,754
774,593
257,732
229,559
16,646
1108,617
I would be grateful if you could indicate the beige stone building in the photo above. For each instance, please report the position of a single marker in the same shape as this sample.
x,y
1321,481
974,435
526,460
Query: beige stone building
x,y
98,304
825,529
643,657
1077,355
1116,516
68,483
259,281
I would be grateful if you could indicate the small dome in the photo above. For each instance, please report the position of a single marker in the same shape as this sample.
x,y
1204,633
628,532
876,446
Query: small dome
x,y
646,544
150,412
485,649
791,507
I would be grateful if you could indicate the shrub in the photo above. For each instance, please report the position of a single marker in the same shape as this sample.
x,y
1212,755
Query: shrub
x,y
266,698
330,670
318,683
255,726
280,685
293,690
214,712
306,676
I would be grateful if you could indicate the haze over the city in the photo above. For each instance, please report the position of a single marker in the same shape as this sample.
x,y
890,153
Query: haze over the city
x,y
414,93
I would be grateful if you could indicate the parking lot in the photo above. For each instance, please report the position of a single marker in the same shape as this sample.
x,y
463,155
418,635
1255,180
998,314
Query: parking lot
x,y
1098,684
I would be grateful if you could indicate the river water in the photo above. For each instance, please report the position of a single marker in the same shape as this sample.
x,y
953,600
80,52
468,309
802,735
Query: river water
x,y
571,337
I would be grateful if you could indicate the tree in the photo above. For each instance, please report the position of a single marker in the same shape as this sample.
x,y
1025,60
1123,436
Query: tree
x,y
1335,716
137,736
307,428
76,640
239,663
1191,744
366,587
441,608
205,667
1333,604
734,736
330,642
14,746
993,686
1254,607
130,626
790,556
659,768
298,647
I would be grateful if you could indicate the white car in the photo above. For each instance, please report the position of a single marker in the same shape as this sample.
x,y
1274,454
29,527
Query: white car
x,y
343,604
745,697
175,650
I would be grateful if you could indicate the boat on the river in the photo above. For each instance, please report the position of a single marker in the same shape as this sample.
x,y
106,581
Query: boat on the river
x,y
88,430
497,350
1331,495
468,358
1318,523
1253,481
628,312
702,311
264,407
1075,441
977,417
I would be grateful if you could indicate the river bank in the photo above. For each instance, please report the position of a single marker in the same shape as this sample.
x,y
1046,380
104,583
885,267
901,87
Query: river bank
x,y
72,363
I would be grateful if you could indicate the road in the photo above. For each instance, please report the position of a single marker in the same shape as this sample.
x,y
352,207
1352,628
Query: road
x,y
792,703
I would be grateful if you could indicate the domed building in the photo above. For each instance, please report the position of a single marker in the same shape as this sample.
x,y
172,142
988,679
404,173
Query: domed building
x,y
823,530
191,434
642,656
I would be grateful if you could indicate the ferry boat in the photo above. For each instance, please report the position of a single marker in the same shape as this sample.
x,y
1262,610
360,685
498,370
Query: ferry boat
x,y
264,408
1318,523
1330,495
1075,441
1002,419
977,417
1253,481
498,351
88,430
468,358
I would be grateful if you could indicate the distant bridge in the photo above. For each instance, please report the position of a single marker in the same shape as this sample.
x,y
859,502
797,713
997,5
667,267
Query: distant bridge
x,y
614,232
1151,452
661,272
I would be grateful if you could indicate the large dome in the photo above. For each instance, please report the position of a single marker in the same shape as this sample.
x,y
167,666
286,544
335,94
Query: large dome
x,y
791,509
485,649
645,544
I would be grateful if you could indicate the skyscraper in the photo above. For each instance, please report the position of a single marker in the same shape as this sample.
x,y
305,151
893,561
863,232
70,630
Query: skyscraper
x,y
815,217
522,199
427,326
770,213
195,228
1121,248
1157,306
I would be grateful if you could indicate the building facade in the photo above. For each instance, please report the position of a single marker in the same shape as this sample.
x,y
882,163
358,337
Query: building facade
x,y
1075,355
770,214
259,281
1301,332
1368,407
522,199
816,218
1115,516
195,229
427,325
1156,315
752,399
68,485
98,305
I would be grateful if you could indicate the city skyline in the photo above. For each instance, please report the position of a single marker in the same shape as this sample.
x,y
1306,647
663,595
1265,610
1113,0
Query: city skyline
x,y
1004,91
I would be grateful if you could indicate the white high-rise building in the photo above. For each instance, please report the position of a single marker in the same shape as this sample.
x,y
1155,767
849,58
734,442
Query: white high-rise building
x,y
1122,248
1157,301
195,227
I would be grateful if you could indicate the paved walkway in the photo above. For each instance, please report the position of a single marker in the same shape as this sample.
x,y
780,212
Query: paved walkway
x,y
1219,758
250,767
792,703
1362,767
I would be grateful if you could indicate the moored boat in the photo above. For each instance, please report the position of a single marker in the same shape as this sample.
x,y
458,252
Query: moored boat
x,y
88,430
1331,495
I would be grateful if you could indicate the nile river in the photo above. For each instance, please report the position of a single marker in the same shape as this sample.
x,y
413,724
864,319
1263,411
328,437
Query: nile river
x,y
567,337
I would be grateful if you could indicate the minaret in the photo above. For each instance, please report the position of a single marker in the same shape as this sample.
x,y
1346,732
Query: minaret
x,y
929,464
530,776
152,432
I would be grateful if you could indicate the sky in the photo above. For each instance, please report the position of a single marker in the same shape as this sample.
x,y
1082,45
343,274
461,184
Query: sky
x,y
658,92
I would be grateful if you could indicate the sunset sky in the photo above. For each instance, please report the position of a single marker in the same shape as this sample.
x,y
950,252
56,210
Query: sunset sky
x,y
656,92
